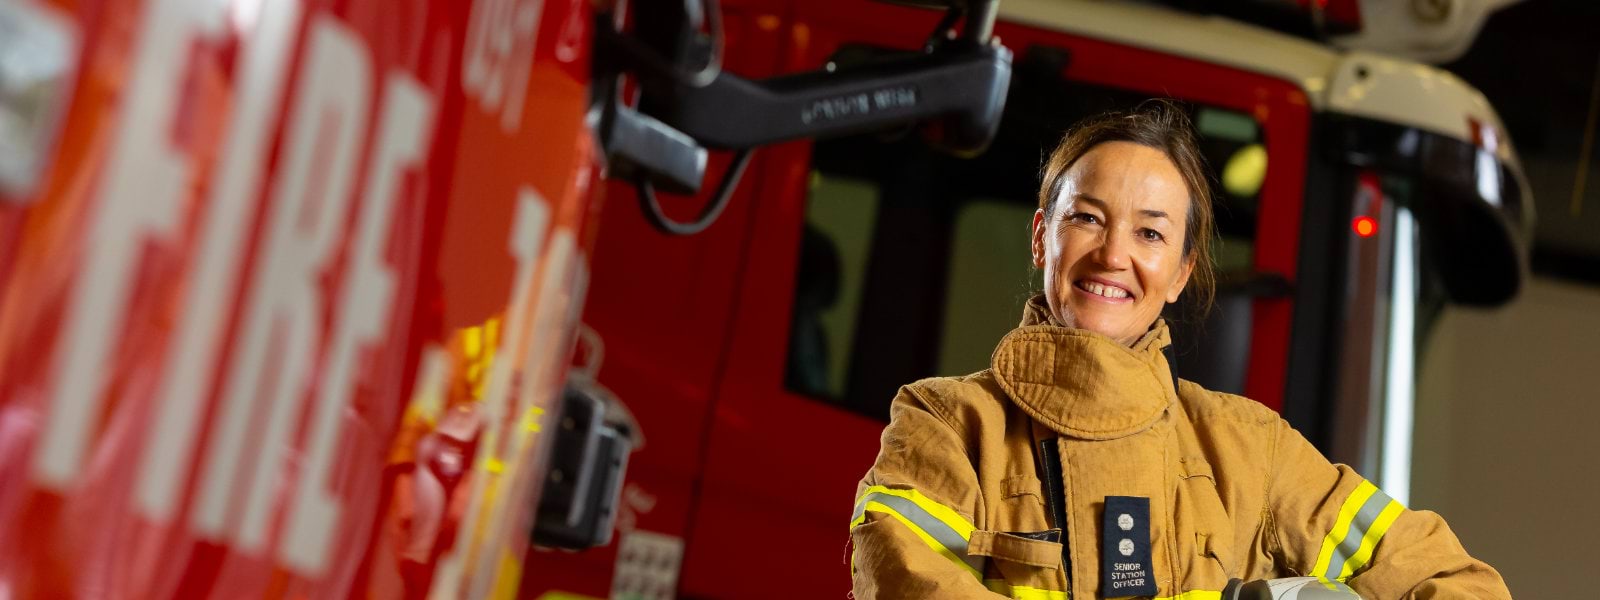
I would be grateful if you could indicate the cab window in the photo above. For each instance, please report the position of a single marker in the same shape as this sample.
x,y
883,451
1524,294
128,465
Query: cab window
x,y
913,264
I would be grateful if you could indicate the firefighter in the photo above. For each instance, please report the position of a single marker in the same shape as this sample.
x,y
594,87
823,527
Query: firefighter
x,y
1078,466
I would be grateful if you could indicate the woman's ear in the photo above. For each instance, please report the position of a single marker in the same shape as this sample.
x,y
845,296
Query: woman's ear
x,y
1183,277
1039,227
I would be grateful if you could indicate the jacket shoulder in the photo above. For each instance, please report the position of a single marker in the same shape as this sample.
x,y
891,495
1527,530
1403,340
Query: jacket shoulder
x,y
962,399
1233,436
1205,405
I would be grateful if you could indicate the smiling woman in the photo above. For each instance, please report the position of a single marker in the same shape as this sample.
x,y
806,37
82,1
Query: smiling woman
x,y
1077,465
1124,222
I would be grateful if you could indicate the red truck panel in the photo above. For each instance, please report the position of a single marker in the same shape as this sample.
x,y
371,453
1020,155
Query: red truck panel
x,y
263,223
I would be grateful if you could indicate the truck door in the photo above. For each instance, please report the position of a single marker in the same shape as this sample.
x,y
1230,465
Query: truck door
x,y
659,307
875,262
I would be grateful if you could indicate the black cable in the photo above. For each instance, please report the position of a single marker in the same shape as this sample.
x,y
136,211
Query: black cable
x,y
714,26
652,205
628,53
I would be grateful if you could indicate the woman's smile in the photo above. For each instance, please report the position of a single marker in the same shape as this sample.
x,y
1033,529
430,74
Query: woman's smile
x,y
1102,290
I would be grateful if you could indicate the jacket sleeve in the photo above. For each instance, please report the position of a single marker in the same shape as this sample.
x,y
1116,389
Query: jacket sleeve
x,y
1329,522
913,511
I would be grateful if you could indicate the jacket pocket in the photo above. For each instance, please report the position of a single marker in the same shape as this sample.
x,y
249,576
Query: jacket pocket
x,y
1021,505
1028,563
1204,528
1022,488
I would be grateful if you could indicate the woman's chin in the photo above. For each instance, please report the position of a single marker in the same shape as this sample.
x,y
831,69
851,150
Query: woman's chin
x,y
1110,332
1097,319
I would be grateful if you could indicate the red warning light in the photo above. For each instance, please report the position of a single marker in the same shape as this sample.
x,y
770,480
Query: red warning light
x,y
1365,226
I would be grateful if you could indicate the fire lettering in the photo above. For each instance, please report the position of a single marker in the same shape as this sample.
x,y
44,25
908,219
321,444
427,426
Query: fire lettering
x,y
139,199
499,56
189,369
282,355
364,309
272,357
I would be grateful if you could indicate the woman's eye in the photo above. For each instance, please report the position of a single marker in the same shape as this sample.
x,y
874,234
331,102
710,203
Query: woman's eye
x,y
1084,218
1151,235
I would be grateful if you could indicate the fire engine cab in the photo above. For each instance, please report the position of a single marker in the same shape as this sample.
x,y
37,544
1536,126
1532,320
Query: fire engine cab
x,y
1356,194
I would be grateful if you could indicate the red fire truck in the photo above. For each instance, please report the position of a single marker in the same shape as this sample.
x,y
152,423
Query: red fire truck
x,y
288,289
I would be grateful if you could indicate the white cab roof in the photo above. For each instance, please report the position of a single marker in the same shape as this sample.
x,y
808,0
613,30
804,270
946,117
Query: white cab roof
x,y
1355,83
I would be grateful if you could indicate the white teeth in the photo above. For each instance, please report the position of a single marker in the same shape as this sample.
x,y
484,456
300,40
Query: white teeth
x,y
1104,290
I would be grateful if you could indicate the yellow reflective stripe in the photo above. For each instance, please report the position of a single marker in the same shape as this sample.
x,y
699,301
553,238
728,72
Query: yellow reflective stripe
x,y
1369,542
999,586
1022,592
1347,513
923,534
940,527
1363,519
943,513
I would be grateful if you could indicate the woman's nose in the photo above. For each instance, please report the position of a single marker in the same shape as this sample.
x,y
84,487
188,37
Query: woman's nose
x,y
1112,254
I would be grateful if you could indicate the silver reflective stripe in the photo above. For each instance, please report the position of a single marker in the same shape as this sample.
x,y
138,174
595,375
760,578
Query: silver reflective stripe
x,y
1358,530
935,528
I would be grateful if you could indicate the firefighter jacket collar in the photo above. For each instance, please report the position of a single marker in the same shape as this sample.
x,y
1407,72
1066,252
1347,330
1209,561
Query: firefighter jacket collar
x,y
1080,383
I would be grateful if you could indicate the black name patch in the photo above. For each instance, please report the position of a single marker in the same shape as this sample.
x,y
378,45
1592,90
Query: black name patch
x,y
1125,548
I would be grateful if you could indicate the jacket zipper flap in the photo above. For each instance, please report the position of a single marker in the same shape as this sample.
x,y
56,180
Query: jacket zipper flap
x,y
1054,496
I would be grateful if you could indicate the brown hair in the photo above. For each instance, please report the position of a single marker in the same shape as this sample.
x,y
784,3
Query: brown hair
x,y
1163,125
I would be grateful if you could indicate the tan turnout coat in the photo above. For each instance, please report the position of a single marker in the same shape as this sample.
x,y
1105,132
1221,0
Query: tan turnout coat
x,y
1233,491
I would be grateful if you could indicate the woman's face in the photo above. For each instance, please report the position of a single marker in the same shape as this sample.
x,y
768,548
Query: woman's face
x,y
1112,249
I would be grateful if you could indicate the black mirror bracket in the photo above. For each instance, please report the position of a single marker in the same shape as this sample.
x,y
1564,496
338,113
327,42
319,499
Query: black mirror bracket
x,y
954,88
